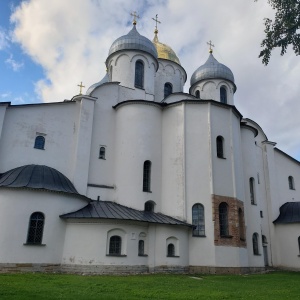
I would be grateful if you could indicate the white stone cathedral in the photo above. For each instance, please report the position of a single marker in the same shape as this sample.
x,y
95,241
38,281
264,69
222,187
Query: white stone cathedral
x,y
138,176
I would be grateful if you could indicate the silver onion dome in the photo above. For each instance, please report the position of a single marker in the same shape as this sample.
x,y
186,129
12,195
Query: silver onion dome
x,y
133,41
212,69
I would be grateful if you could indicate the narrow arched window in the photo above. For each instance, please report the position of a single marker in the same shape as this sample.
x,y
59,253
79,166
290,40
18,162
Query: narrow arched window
x,y
149,206
197,94
223,219
36,228
291,183
241,225
171,250
139,74
102,153
252,191
147,176
168,89
39,142
264,240
223,95
141,247
220,146
198,220
115,244
255,244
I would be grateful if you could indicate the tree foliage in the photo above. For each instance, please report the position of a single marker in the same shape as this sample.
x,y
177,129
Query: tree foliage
x,y
284,30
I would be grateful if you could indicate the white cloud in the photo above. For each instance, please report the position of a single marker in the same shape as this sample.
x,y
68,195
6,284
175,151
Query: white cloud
x,y
5,95
70,39
4,40
16,66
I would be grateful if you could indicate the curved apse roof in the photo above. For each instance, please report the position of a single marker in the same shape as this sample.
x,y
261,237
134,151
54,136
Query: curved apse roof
x,y
289,213
37,177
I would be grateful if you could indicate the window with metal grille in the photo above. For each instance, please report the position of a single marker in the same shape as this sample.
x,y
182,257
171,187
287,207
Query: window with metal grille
x,y
139,74
241,224
252,191
197,94
147,176
115,244
168,89
141,247
223,95
36,228
220,150
291,183
39,142
255,244
198,220
171,250
102,153
223,219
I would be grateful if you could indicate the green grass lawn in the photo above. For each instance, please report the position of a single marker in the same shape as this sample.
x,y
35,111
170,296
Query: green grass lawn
x,y
274,285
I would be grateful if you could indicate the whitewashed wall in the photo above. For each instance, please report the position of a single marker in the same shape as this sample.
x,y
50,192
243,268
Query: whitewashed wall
x,y
16,207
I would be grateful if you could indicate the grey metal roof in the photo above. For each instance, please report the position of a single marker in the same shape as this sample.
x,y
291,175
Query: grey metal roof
x,y
289,213
112,210
37,177
133,41
212,69
95,85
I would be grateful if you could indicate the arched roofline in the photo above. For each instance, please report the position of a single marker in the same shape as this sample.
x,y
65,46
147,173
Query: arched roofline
x,y
102,84
191,101
259,128
234,86
126,50
253,129
177,65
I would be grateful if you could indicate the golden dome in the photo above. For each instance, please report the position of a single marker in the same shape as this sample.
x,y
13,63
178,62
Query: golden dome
x,y
164,51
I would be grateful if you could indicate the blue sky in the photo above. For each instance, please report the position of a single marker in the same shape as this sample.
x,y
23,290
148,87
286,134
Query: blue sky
x,y
48,47
17,70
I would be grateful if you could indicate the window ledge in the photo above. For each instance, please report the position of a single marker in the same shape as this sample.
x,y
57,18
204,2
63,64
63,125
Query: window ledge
x,y
221,157
257,254
173,256
144,255
255,204
138,87
226,236
39,148
102,158
200,235
147,191
117,255
32,244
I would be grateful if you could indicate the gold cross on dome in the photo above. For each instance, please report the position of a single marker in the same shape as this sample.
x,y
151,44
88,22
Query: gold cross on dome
x,y
134,14
80,86
156,21
210,46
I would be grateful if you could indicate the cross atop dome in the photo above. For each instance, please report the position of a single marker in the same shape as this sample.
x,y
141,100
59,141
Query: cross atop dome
x,y
210,46
156,21
134,14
